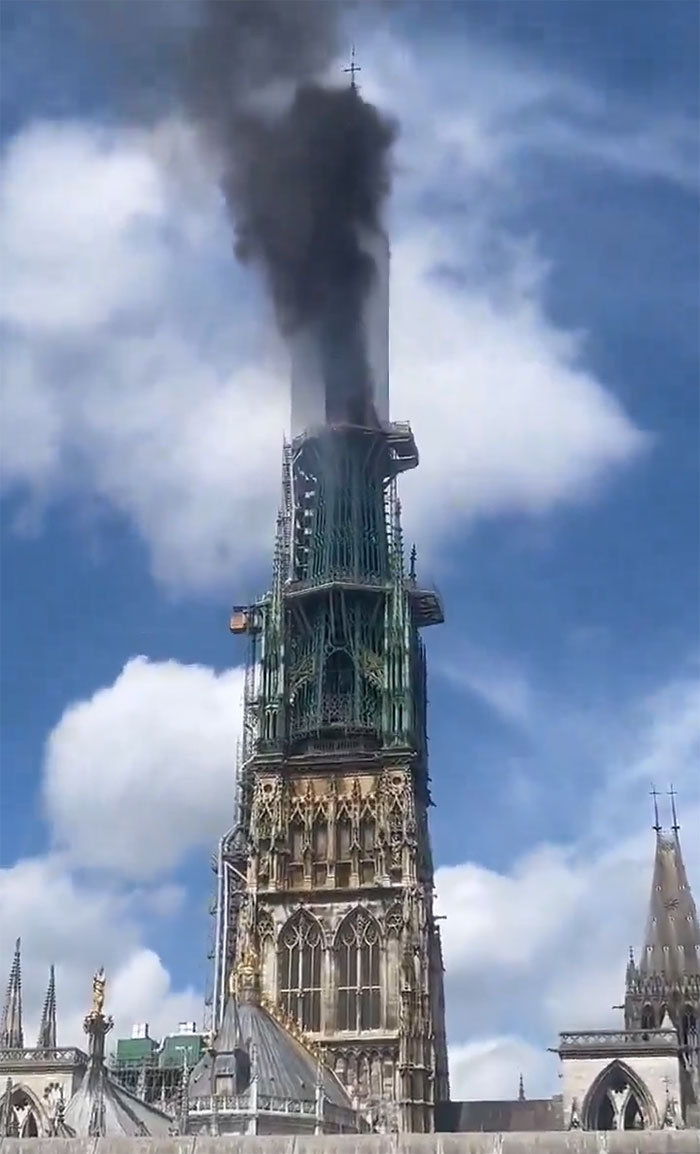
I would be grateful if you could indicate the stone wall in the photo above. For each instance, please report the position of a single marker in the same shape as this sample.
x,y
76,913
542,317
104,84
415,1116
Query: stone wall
x,y
571,1142
659,1073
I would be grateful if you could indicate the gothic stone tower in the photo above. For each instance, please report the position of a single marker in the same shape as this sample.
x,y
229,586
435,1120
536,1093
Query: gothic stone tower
x,y
648,1075
329,867
663,990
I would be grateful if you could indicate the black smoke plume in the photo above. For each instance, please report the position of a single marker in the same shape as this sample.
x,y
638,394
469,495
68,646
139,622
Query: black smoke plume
x,y
306,169
305,164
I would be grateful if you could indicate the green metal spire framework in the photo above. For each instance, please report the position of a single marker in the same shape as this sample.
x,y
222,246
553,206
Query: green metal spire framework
x,y
335,644
335,688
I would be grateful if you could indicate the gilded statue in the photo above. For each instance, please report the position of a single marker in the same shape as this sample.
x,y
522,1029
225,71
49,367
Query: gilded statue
x,y
98,991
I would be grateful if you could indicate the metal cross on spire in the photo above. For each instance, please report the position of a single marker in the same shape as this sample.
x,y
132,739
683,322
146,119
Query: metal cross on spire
x,y
673,795
653,793
353,68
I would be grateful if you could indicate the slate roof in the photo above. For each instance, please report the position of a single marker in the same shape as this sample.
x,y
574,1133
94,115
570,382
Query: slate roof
x,y
499,1117
101,1106
284,1067
672,940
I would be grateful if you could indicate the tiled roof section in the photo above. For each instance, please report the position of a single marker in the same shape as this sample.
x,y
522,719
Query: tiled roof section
x,y
100,1107
282,1064
11,1032
499,1117
672,940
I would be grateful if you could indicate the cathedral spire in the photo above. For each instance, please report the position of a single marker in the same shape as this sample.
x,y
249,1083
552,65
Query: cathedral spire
x,y
672,940
47,1028
11,1033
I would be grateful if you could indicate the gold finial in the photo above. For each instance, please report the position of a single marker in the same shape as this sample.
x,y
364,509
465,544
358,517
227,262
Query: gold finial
x,y
98,991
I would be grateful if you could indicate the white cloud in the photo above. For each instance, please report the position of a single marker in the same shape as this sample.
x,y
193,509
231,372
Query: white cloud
x,y
491,1068
541,946
78,927
483,112
500,685
505,414
136,373
80,214
143,772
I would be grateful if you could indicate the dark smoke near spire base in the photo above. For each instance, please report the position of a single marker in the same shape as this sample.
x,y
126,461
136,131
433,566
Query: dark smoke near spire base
x,y
304,184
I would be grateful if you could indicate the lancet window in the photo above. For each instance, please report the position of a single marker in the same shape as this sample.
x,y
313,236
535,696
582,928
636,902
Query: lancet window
x,y
343,850
295,865
319,847
23,1117
367,843
300,954
358,973
688,1027
339,688
617,1101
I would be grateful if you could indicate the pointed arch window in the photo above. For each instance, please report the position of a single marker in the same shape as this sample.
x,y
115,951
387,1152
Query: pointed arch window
x,y
688,1026
367,843
319,850
295,863
357,973
23,1119
300,954
618,1101
343,850
339,688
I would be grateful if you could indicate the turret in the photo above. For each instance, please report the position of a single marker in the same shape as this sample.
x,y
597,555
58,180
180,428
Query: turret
x,y
47,1028
11,1031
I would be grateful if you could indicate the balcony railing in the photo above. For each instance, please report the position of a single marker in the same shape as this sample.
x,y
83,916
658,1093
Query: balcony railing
x,y
57,1057
618,1040
267,1104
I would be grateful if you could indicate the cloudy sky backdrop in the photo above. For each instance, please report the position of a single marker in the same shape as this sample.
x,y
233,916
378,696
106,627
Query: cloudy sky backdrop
x,y
544,345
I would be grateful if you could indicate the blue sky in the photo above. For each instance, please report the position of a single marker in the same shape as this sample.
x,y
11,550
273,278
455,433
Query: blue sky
x,y
544,228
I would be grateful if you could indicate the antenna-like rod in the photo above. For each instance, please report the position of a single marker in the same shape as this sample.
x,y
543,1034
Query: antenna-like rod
x,y
353,69
654,794
672,794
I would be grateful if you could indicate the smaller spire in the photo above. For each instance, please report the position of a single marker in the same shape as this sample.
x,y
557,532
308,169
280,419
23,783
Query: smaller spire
x,y
521,1090
657,824
675,827
47,1029
11,1032
672,939
8,1118
412,564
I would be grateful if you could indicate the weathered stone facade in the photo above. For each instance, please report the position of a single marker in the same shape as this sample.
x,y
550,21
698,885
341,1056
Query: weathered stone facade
x,y
573,1142
340,862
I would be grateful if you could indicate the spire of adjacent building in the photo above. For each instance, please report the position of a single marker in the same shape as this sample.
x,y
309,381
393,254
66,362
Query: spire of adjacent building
x,y
672,940
47,1028
521,1090
11,1033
